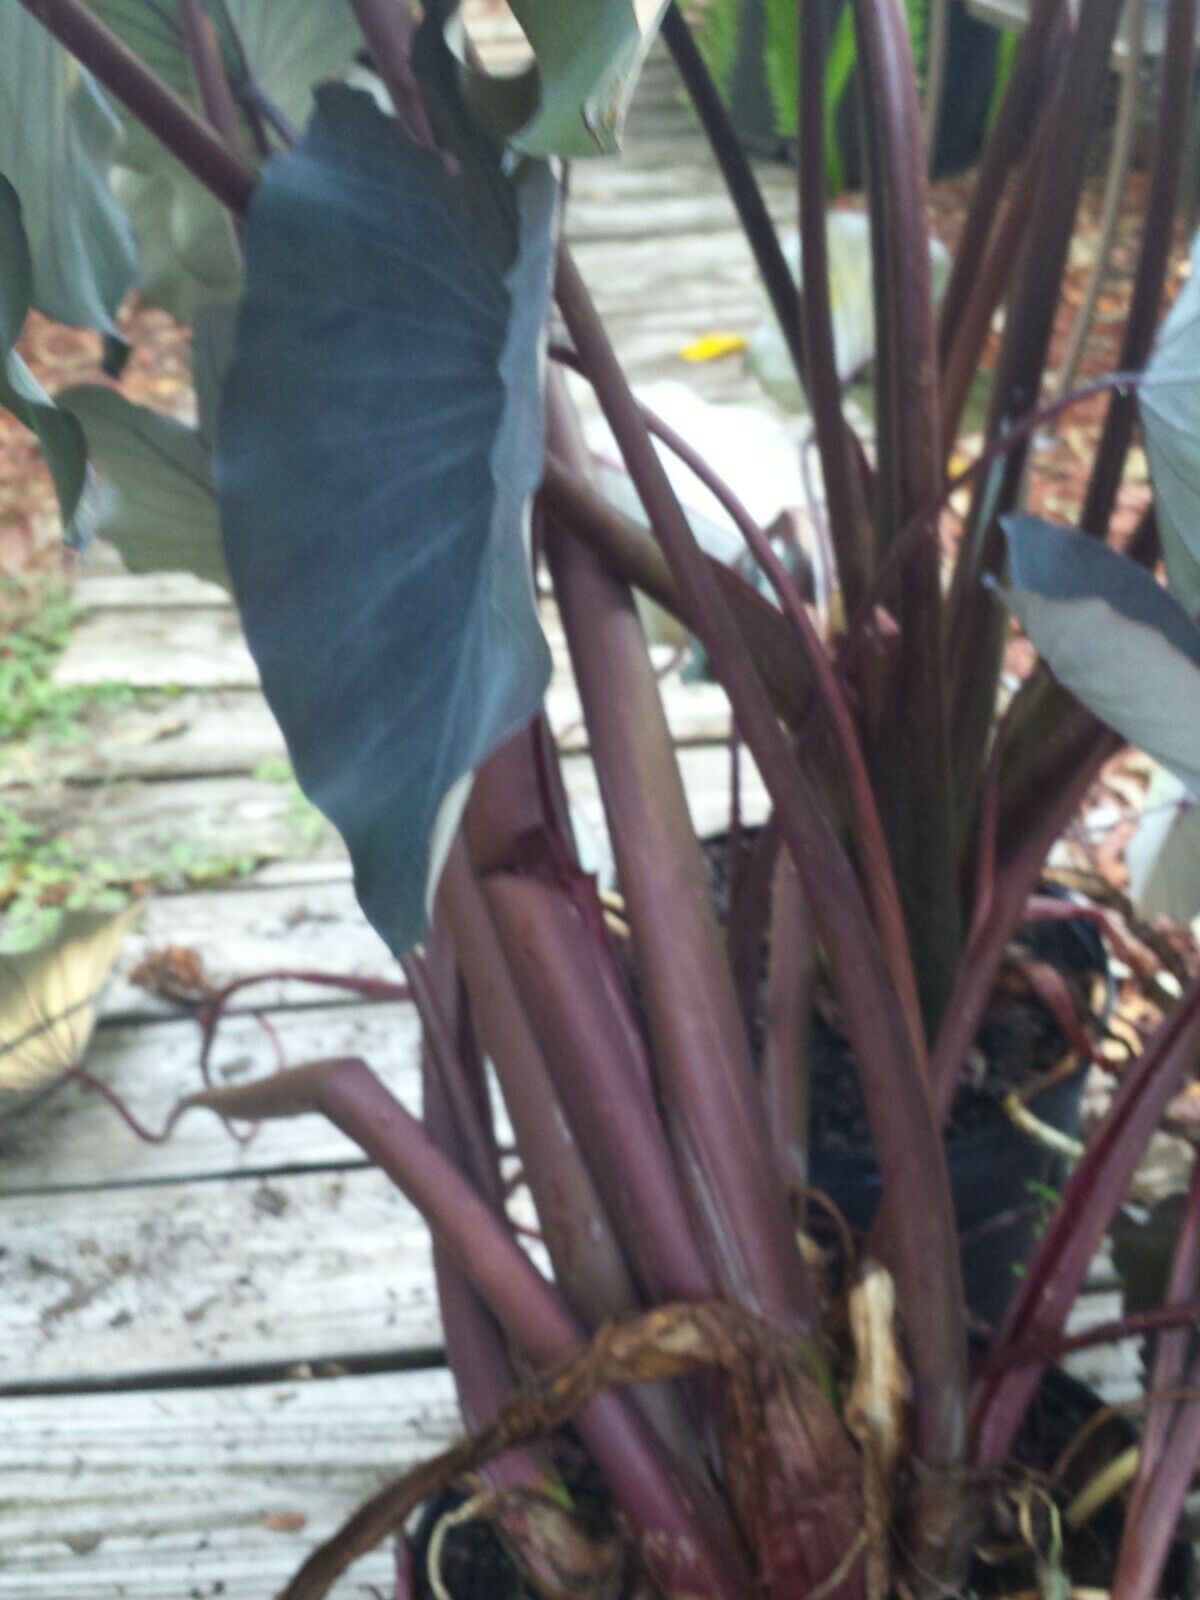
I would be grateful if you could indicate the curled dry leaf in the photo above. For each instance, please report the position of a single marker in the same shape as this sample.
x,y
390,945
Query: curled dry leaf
x,y
875,1410
665,1343
176,972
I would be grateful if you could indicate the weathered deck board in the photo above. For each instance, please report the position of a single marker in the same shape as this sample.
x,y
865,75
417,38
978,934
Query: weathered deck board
x,y
173,829
210,1492
155,1279
224,732
198,647
177,827
75,1140
254,928
100,590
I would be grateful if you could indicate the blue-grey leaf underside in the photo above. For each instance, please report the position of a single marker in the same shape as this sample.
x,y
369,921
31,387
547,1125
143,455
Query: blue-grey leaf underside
x,y
379,438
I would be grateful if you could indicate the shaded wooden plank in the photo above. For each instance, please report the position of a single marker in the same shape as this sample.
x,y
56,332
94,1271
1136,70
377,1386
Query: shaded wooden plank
x,y
169,1494
176,827
74,1138
213,734
197,648
686,205
232,731
169,830
122,591
155,1279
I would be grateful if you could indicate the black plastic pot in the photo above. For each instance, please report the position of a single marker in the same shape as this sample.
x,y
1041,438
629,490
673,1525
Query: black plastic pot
x,y
997,1175
1000,1176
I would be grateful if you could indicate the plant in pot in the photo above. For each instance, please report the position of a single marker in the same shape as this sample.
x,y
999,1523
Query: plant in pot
x,y
679,1394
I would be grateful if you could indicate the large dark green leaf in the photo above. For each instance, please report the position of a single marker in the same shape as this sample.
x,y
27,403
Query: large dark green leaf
x,y
57,139
58,433
572,100
379,440
1170,407
188,256
1112,635
156,501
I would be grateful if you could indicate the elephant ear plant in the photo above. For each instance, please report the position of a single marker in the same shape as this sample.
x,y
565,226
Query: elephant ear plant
x,y
390,458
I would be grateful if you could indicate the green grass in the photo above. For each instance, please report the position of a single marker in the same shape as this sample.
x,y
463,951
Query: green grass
x,y
42,872
35,623
41,875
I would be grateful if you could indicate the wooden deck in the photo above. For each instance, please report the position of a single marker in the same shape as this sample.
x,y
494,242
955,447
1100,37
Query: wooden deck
x,y
209,1352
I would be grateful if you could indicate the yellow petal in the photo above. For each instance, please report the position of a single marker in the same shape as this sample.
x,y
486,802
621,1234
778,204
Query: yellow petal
x,y
712,346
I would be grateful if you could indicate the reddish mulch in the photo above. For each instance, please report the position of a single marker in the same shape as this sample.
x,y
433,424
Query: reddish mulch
x,y
155,375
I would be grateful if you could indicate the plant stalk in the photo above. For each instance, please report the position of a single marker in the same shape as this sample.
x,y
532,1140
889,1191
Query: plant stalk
x,y
849,523
589,1266
208,70
787,1024
188,137
1034,67
922,1234
977,620
1137,1555
630,554
713,1109
760,231
908,735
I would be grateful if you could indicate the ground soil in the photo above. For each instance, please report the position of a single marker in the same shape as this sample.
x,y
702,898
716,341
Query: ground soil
x,y
1047,1469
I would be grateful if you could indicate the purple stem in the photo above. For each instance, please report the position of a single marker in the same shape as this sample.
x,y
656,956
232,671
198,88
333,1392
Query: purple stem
x,y
630,554
706,1076
1148,1535
388,27
961,363
749,912
1163,1418
479,1160
684,1532
588,1262
1013,882
922,1237
603,1080
907,737
1036,63
976,627
849,524
739,178
1165,1319
791,980
878,878
208,70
